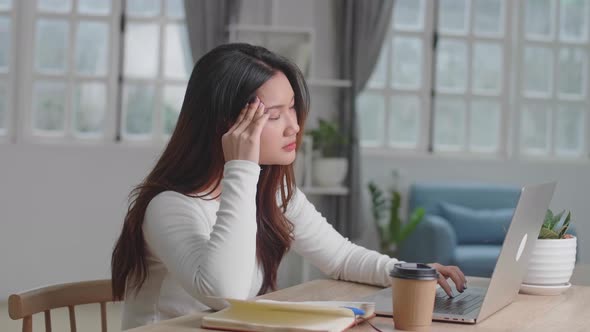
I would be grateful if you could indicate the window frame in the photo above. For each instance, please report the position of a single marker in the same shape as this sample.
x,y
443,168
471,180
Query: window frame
x,y
157,136
20,127
7,133
470,39
520,98
29,16
510,97
423,92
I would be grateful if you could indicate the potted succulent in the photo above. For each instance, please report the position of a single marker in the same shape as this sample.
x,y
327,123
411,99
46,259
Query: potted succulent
x,y
392,231
553,259
329,168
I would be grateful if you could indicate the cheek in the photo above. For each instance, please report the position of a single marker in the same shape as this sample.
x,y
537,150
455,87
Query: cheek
x,y
268,137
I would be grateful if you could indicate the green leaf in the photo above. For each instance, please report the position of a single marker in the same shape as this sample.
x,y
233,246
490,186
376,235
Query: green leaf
x,y
378,203
565,226
556,219
415,219
549,215
548,234
394,220
548,219
382,234
327,138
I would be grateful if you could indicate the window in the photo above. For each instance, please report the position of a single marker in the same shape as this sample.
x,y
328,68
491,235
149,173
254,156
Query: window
x,y
470,93
393,109
460,93
157,65
93,70
71,68
6,64
553,88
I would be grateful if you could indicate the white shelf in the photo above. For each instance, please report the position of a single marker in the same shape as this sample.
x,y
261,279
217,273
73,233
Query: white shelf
x,y
325,190
330,83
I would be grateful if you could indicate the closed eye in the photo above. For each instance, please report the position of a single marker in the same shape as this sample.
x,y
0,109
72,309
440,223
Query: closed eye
x,y
275,115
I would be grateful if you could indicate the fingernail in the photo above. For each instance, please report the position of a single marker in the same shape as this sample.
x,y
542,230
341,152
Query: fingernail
x,y
257,99
262,104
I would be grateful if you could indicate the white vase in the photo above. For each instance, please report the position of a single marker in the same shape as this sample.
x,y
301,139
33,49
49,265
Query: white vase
x,y
552,262
329,172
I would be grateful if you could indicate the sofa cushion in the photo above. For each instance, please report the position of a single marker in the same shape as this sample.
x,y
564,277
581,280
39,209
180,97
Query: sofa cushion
x,y
481,226
477,260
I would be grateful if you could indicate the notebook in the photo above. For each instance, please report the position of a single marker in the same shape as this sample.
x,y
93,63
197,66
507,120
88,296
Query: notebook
x,y
268,315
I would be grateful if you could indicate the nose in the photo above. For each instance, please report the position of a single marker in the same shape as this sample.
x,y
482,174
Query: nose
x,y
292,125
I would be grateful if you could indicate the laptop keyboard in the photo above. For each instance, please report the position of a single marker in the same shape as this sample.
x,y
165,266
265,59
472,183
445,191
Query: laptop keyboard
x,y
459,305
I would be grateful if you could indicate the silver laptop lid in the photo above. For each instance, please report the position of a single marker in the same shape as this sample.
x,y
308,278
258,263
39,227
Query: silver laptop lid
x,y
520,240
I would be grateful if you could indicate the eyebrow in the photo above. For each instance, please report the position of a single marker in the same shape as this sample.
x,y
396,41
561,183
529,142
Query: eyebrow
x,y
278,106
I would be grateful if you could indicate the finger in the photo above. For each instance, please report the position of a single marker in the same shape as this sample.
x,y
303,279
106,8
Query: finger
x,y
240,118
255,126
462,275
260,112
259,123
457,280
449,272
248,116
445,285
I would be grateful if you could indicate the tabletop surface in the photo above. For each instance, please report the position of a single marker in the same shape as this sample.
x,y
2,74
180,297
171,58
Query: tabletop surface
x,y
569,311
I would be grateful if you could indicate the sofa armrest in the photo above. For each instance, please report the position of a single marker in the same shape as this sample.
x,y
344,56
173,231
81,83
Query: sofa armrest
x,y
433,241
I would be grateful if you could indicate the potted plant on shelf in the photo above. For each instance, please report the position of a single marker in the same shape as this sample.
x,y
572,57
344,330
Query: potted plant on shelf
x,y
553,259
392,231
329,167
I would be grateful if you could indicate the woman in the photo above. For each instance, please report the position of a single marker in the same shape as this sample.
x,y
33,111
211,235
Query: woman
x,y
220,209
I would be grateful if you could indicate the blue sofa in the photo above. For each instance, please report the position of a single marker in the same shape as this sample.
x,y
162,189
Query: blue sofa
x,y
464,225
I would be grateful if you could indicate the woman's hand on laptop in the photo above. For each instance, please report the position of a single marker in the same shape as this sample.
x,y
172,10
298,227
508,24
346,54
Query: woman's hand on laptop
x,y
453,272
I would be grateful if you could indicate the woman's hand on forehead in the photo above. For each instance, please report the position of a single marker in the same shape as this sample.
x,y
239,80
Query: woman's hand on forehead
x,y
242,140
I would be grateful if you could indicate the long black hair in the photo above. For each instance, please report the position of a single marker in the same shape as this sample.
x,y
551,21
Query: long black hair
x,y
221,83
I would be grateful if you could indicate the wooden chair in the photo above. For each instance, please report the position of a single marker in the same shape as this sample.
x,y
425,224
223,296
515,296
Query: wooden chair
x,y
26,304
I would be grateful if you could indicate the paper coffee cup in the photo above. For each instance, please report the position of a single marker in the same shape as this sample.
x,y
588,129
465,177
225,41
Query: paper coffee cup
x,y
414,289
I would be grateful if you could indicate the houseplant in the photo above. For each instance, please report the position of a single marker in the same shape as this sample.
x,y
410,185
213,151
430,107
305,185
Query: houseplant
x,y
553,259
329,167
392,231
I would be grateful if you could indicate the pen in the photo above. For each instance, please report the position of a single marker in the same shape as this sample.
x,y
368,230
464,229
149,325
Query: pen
x,y
356,311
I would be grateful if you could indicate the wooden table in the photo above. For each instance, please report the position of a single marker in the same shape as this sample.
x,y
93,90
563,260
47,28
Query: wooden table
x,y
569,311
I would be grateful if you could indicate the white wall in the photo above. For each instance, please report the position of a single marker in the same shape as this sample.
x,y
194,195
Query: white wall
x,y
61,209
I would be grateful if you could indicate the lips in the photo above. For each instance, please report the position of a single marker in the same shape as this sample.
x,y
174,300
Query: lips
x,y
290,147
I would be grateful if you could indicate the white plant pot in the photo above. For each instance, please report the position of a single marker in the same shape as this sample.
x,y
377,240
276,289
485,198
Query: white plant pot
x,y
329,172
552,262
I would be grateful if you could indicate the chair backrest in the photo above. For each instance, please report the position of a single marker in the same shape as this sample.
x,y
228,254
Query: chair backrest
x,y
25,305
429,195
479,213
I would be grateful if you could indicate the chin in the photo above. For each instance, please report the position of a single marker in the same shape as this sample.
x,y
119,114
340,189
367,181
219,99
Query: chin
x,y
284,160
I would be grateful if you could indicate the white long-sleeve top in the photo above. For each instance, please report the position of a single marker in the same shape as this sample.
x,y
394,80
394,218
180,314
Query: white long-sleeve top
x,y
199,250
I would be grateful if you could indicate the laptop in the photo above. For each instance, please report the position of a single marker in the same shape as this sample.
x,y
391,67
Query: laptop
x,y
477,303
